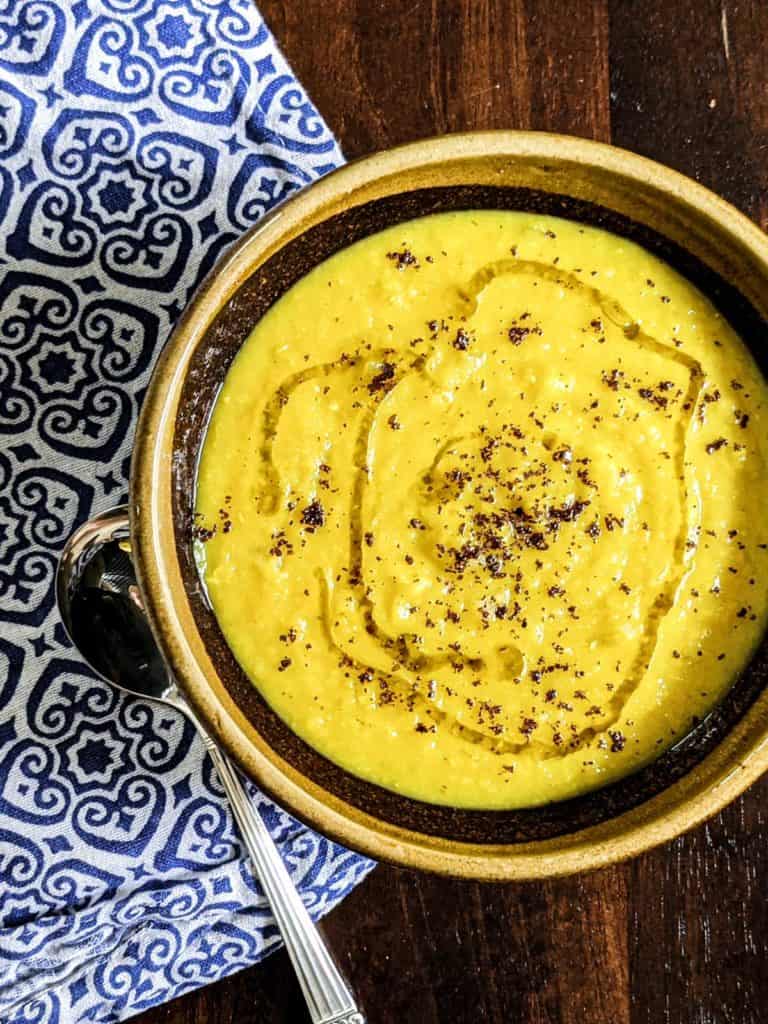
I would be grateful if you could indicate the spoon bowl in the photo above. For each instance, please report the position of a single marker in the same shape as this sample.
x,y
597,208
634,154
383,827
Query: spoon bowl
x,y
101,608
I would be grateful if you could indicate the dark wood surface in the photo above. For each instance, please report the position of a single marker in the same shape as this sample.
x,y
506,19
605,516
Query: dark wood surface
x,y
679,936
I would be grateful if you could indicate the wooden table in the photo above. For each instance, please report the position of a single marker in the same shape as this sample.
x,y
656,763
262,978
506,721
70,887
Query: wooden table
x,y
679,936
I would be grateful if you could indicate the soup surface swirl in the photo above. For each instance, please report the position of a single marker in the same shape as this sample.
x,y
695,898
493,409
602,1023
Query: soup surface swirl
x,y
480,508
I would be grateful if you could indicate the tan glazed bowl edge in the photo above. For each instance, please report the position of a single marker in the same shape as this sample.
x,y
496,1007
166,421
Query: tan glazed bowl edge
x,y
640,189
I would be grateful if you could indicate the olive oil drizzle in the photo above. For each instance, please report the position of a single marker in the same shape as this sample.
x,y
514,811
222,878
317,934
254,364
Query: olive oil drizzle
x,y
409,668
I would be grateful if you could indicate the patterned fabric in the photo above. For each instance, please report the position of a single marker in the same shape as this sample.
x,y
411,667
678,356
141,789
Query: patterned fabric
x,y
138,138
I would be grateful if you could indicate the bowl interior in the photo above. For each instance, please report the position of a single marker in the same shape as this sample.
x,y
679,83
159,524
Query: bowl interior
x,y
699,248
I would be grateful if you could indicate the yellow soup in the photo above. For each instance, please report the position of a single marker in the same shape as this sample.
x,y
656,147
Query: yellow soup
x,y
480,508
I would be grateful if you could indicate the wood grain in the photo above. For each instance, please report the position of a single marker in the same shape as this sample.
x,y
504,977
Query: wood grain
x,y
679,936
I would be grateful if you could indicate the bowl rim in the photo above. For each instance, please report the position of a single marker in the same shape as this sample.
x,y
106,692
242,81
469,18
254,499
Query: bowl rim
x,y
725,773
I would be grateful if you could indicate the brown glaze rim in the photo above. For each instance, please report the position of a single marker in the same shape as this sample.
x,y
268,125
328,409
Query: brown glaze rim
x,y
457,172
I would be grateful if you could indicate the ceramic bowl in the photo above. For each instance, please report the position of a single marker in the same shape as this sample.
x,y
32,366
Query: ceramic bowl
x,y
706,239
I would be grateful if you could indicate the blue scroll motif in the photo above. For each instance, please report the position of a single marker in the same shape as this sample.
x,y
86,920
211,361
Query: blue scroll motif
x,y
138,138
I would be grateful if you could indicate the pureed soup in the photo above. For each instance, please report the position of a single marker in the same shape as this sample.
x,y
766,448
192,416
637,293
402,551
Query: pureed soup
x,y
480,508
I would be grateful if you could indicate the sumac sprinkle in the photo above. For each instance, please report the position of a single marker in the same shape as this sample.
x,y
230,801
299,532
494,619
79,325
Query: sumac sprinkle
x,y
313,515
486,452
517,334
568,513
612,378
462,340
203,533
403,259
650,396
384,379
618,741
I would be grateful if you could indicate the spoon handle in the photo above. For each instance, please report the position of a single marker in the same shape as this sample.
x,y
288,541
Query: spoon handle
x,y
328,998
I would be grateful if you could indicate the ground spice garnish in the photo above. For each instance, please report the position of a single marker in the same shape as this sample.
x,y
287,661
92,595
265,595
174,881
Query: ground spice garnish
x,y
203,533
281,546
384,379
403,259
486,452
462,340
612,378
650,396
313,515
517,334
715,446
618,741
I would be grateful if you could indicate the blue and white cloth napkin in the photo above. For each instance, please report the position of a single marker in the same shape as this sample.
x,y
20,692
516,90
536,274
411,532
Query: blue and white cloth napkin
x,y
138,139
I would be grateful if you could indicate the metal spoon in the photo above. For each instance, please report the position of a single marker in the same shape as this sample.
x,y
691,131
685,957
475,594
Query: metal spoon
x,y
100,605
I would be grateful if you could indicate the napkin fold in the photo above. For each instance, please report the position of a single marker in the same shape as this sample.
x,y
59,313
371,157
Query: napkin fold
x,y
138,139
